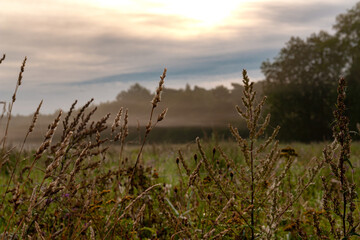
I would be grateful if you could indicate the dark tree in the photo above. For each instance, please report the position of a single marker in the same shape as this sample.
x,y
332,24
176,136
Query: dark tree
x,y
301,86
348,32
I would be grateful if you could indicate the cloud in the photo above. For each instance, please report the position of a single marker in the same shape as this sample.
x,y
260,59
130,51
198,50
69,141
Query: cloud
x,y
297,13
74,47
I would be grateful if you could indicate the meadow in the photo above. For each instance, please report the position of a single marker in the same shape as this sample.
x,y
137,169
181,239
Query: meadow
x,y
85,184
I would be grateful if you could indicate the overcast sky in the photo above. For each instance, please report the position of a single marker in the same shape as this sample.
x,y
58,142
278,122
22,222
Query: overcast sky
x,y
79,49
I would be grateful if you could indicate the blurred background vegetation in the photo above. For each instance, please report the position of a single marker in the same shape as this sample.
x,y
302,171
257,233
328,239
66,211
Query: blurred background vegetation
x,y
301,81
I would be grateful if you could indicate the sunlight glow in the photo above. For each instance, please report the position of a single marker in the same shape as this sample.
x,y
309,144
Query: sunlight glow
x,y
206,13
201,13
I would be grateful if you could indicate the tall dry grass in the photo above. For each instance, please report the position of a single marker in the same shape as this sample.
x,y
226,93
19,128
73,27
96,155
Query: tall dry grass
x,y
59,189
73,188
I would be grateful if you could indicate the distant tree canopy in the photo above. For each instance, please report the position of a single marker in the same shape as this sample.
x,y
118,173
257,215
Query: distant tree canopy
x,y
191,106
136,91
301,81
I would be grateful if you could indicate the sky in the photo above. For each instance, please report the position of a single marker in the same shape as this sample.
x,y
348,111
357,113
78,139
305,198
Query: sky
x,y
82,49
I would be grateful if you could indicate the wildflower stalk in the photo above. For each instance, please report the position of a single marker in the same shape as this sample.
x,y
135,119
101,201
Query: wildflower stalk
x,y
154,102
18,83
338,167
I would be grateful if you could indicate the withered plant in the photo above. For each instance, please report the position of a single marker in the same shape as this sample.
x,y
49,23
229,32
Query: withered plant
x,y
340,198
64,190
245,198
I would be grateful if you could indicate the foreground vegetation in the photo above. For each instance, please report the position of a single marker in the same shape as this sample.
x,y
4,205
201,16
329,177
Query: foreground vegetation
x,y
81,187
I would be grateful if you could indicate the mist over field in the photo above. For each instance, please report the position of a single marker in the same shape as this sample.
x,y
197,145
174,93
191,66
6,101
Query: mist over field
x,y
195,108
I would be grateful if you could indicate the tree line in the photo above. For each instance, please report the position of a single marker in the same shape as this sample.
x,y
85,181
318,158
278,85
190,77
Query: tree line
x,y
301,81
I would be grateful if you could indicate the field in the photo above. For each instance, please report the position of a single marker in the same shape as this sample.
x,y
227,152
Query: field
x,y
86,185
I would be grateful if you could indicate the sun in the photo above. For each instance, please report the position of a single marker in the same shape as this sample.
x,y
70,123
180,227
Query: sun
x,y
201,13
